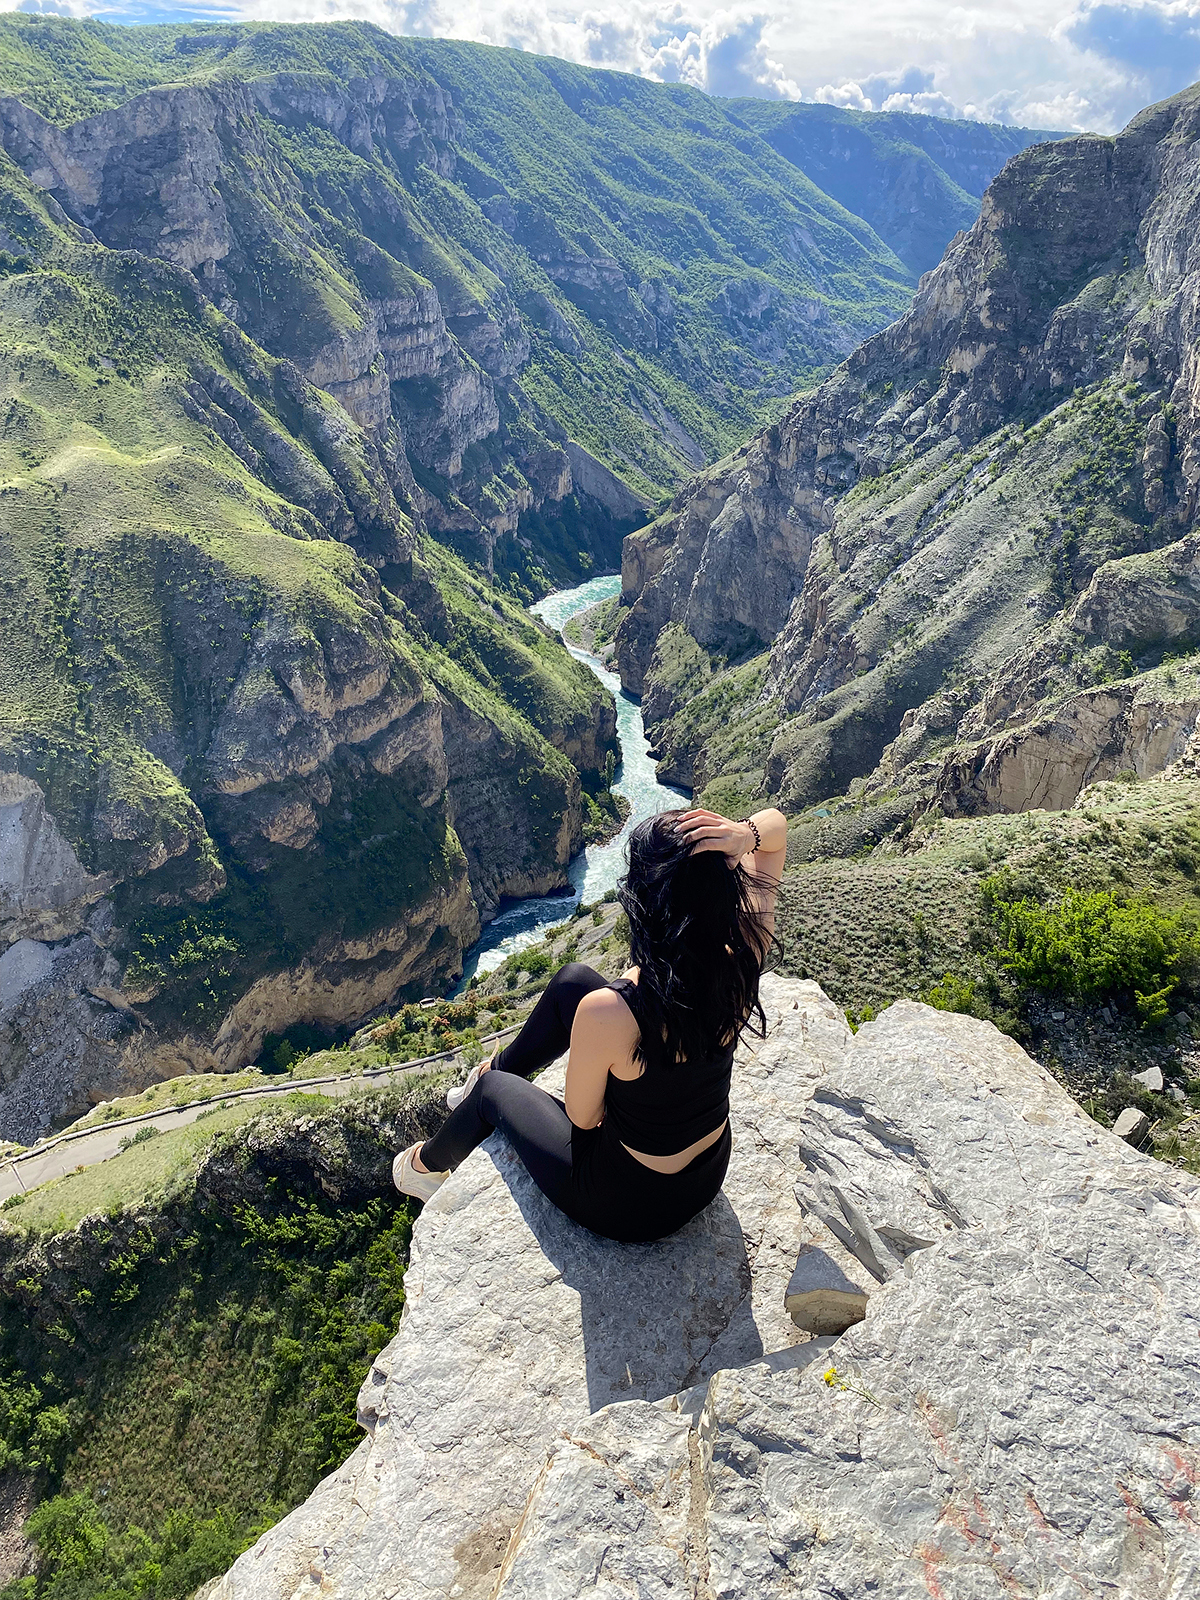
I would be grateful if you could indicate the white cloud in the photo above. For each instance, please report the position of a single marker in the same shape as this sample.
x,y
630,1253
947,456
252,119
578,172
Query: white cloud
x,y
55,8
1043,63
849,96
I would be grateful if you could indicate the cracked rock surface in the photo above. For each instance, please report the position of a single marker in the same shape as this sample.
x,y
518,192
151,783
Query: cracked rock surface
x,y
1017,1415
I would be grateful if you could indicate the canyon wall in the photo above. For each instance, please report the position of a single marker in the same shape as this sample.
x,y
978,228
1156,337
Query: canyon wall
x,y
984,514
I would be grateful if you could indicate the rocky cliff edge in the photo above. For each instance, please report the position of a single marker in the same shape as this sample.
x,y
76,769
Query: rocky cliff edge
x,y
1016,1415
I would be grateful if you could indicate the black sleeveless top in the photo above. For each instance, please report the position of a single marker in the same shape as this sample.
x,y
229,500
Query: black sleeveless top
x,y
666,1110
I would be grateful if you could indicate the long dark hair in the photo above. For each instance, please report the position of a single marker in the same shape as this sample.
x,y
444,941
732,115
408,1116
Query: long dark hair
x,y
697,941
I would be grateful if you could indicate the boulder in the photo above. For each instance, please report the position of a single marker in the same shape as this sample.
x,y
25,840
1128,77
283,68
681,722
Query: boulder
x,y
1132,1125
1017,1414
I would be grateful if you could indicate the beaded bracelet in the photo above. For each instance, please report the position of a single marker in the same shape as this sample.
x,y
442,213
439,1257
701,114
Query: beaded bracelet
x,y
753,826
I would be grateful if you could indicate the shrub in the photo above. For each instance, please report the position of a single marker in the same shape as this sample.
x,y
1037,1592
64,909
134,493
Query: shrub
x,y
1095,944
140,1137
952,994
69,1533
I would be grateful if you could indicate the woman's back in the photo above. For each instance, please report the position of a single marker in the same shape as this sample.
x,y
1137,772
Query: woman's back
x,y
665,1109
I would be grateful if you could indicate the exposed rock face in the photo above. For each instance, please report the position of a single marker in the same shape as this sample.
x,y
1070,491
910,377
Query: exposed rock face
x,y
65,1029
44,889
1024,742
974,544
726,561
560,1416
1047,763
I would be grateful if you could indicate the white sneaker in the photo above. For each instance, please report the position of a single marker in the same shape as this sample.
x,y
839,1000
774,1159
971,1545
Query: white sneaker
x,y
421,1185
456,1096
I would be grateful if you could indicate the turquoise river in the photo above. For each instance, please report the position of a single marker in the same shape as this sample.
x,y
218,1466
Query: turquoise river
x,y
595,870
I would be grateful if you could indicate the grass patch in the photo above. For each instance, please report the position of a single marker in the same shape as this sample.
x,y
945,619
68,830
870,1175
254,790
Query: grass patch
x,y
1106,896
146,1169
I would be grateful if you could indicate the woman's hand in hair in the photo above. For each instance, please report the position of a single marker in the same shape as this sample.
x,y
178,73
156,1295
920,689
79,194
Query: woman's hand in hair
x,y
705,830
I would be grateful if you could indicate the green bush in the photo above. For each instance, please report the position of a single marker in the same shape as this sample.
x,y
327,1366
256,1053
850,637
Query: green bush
x,y
1093,945
149,1131
79,1555
952,994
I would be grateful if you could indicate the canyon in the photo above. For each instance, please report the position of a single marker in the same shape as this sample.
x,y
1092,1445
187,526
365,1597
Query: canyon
x,y
325,354
956,574
318,365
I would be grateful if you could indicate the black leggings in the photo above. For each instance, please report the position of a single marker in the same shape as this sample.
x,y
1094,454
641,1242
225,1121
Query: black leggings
x,y
586,1172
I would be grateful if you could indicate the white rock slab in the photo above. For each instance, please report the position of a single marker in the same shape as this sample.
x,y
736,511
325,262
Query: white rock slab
x,y
518,1325
1132,1125
1019,1414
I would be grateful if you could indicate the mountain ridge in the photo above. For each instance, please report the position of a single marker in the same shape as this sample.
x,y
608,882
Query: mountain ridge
x,y
1010,469
322,351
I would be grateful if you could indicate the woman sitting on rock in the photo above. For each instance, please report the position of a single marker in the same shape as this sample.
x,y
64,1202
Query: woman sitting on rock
x,y
642,1142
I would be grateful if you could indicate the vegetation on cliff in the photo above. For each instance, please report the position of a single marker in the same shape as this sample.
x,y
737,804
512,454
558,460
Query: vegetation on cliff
x,y
674,270
221,1311
973,569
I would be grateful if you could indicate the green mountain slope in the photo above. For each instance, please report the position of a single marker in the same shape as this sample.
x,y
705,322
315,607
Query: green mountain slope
x,y
632,265
234,764
320,349
915,179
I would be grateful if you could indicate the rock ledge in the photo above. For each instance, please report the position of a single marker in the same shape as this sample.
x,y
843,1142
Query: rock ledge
x,y
559,1416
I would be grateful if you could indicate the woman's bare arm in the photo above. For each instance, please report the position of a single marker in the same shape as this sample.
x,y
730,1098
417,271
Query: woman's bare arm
x,y
708,831
765,865
603,1036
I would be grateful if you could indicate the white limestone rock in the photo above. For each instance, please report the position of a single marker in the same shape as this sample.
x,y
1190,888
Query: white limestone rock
x,y
1132,1125
1036,1373
518,1325
609,1513
1018,1415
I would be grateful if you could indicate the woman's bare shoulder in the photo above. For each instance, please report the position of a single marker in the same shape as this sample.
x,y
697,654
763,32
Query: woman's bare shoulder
x,y
605,1008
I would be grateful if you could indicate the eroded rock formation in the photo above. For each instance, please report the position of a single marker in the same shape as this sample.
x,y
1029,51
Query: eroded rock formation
x,y
988,506
560,1416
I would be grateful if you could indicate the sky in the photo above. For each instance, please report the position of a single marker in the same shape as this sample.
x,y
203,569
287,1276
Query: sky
x,y
1090,64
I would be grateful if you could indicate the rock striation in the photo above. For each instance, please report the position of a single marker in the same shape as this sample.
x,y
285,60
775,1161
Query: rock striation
x,y
1017,1413
996,493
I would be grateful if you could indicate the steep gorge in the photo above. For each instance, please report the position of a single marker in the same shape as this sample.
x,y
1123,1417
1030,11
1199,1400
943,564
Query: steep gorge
x,y
970,547
321,351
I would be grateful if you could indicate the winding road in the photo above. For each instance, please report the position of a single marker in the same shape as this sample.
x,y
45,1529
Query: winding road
x,y
85,1147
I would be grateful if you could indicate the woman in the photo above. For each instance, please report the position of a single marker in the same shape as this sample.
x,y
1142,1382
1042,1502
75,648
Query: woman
x,y
642,1142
